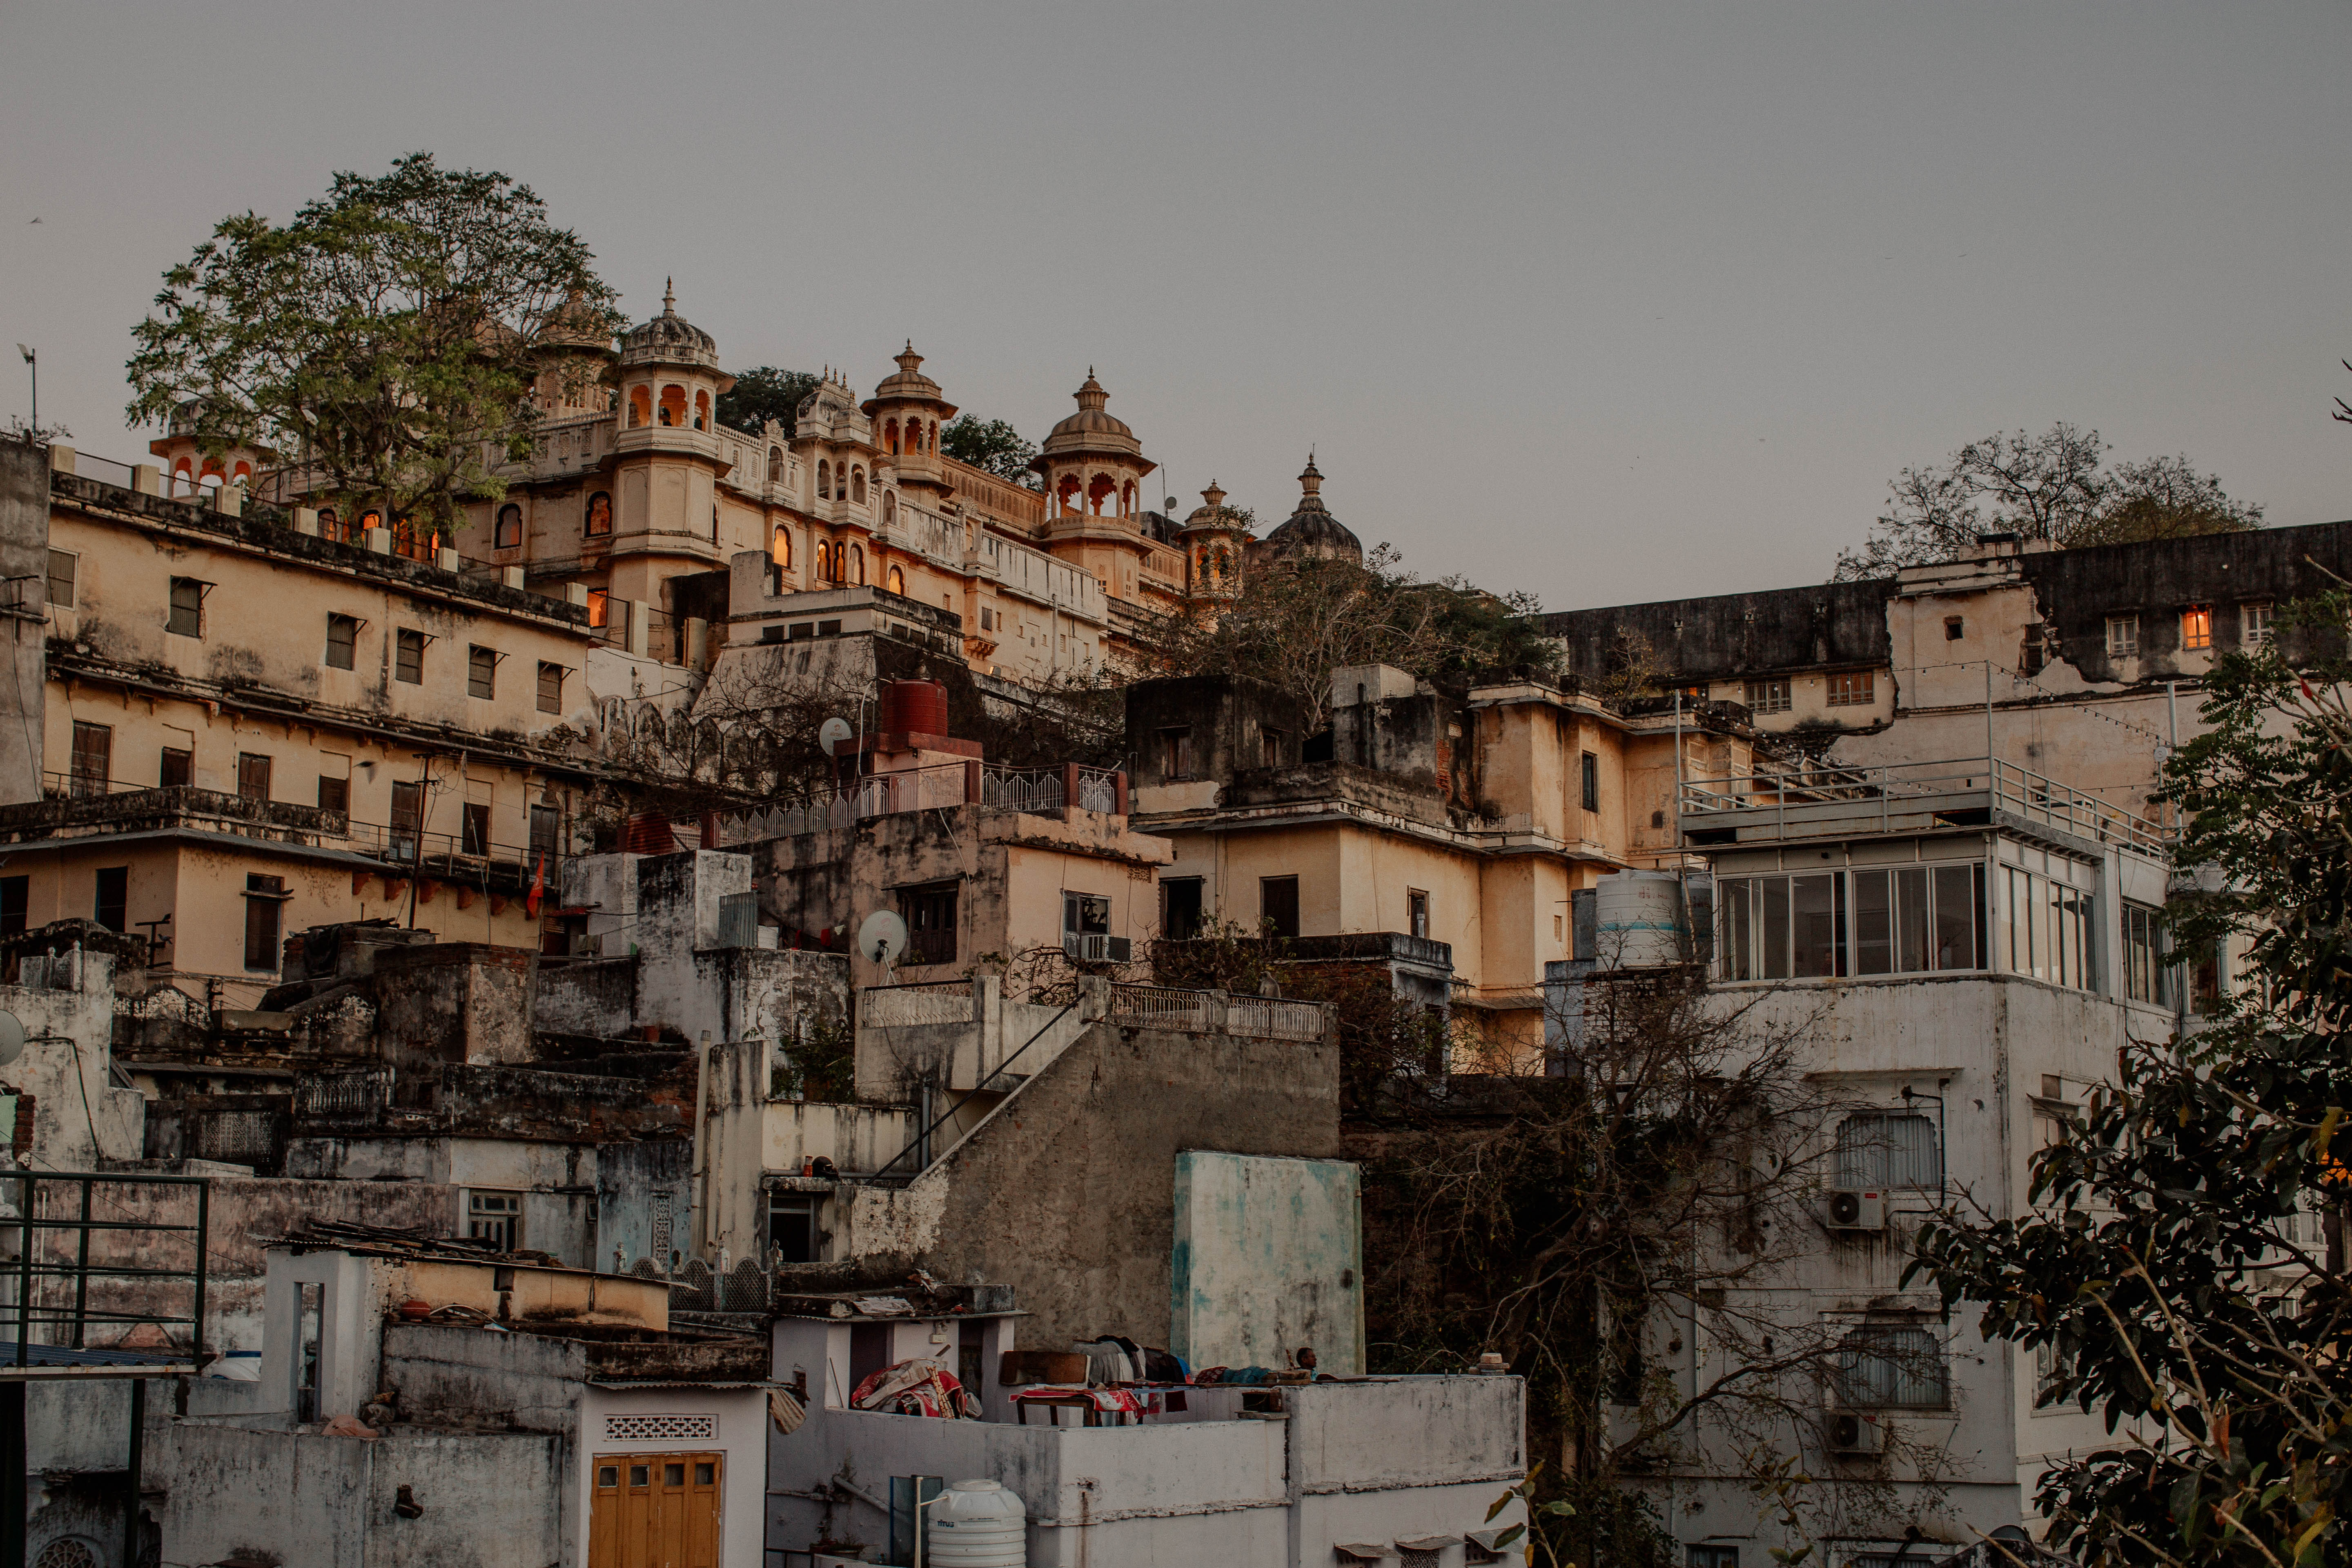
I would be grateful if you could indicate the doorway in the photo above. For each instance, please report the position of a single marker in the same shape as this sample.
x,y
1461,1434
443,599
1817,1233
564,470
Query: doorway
x,y
656,1510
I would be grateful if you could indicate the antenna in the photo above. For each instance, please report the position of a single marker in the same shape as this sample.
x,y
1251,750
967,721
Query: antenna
x,y
883,938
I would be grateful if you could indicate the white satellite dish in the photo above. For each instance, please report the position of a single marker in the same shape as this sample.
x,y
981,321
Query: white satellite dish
x,y
12,1039
832,734
883,937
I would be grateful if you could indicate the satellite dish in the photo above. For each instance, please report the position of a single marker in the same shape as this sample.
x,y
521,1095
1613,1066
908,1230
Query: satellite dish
x,y
12,1039
883,937
832,734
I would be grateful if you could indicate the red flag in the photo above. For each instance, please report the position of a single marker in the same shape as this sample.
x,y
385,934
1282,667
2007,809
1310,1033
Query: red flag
x,y
538,888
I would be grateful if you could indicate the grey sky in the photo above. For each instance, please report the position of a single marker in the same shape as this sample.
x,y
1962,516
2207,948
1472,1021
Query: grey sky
x,y
1604,302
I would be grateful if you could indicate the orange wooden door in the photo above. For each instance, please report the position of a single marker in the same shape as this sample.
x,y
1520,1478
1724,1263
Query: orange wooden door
x,y
656,1510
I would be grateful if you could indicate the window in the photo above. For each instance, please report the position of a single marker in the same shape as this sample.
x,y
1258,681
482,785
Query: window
x,y
1588,774
2253,622
495,1218
309,1322
252,776
1085,914
857,486
897,581
481,671
1852,688
1955,628
1881,1150
987,618
1179,908
551,688
930,915
823,479
113,906
177,768
2034,652
1767,696
334,795
1881,1367
1416,912
1711,1557
600,515
342,641
775,464
782,551
2123,636
546,827
857,565
508,533
2049,926
1906,920
265,897
408,817
408,657
62,565
187,616
1176,754
2145,976
1277,905
791,1227
93,759
16,903
2197,626
1270,748
476,828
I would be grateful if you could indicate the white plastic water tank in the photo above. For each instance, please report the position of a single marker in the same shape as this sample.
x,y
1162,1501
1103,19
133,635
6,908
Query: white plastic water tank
x,y
978,1524
1639,916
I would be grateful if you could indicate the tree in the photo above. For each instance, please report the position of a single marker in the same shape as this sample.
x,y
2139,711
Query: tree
x,y
1585,1226
2049,487
993,446
2169,1267
387,339
765,393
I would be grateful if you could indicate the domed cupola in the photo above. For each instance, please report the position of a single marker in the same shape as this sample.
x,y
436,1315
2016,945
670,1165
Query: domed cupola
x,y
909,411
1312,531
1212,540
670,375
1091,461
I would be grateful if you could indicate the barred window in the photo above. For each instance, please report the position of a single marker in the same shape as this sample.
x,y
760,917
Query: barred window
x,y
1881,1367
1852,688
1767,696
1879,1150
2123,636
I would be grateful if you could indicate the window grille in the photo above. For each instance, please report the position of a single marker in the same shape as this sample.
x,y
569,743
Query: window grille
x,y
2123,636
668,1428
1883,1367
1878,1150
1768,697
1852,688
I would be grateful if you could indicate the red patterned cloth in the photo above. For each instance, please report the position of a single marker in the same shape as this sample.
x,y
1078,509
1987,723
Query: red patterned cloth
x,y
1116,1401
916,1387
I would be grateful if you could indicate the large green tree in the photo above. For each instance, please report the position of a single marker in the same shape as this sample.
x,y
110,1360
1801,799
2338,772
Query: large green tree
x,y
992,445
386,338
2056,486
765,393
2183,1264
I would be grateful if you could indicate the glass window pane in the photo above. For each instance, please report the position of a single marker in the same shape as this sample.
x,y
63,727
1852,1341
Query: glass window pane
x,y
1776,927
1956,917
1814,912
1736,921
1874,923
1911,920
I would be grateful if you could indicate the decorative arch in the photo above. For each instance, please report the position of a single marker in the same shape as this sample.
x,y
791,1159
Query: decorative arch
x,y
890,435
933,443
775,465
858,485
641,405
782,549
823,479
889,508
898,582
824,562
1127,498
1099,490
858,565
508,531
599,524
702,410
1065,494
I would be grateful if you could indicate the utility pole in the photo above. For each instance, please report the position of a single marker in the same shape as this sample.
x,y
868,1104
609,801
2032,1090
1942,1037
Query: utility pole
x,y
32,359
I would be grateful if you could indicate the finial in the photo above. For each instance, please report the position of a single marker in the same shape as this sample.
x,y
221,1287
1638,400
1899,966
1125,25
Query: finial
x,y
669,297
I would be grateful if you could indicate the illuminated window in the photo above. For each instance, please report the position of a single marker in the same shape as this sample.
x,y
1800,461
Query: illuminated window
x,y
600,515
508,533
2197,626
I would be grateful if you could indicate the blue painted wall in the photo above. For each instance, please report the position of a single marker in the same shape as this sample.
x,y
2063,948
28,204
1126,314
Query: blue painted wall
x,y
1268,1257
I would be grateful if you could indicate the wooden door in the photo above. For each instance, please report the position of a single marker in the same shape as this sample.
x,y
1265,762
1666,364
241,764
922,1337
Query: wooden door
x,y
656,1510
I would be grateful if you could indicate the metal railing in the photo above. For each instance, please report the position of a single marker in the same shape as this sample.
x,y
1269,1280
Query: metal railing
x,y
333,1097
936,788
937,1002
1888,790
78,1229
1217,1012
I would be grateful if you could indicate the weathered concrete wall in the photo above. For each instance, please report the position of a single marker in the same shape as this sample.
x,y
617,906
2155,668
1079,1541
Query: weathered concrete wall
x,y
1268,1257
633,1181
79,1117
25,571
455,1002
1088,1148
596,998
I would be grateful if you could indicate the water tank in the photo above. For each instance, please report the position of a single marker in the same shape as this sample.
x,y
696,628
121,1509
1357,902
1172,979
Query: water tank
x,y
1640,920
978,1524
914,707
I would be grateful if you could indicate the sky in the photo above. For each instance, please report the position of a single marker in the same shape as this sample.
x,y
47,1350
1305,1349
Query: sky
x,y
1602,303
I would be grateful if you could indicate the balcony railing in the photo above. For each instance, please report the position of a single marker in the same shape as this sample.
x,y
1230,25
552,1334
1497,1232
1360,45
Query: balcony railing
x,y
929,1002
1216,1012
938,788
1812,801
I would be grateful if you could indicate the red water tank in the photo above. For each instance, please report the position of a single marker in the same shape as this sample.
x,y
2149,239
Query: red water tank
x,y
914,707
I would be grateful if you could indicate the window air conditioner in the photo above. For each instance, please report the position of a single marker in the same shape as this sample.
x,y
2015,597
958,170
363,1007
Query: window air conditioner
x,y
1096,948
1852,1432
1848,1209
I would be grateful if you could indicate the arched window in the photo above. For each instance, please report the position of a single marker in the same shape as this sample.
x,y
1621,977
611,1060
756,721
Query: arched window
x,y
1099,490
890,435
889,508
897,581
1127,498
823,479
641,406
775,465
934,444
600,515
824,562
858,565
673,406
244,474
1066,493
857,486
784,548
702,410
508,533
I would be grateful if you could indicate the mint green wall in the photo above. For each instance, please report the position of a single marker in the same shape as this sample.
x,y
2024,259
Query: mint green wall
x,y
1268,1257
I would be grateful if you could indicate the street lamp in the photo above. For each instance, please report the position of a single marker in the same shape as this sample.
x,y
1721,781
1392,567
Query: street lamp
x,y
33,435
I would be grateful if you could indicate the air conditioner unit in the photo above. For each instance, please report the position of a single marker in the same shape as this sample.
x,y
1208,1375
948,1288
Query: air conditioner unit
x,y
1849,1432
1096,948
1851,1209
